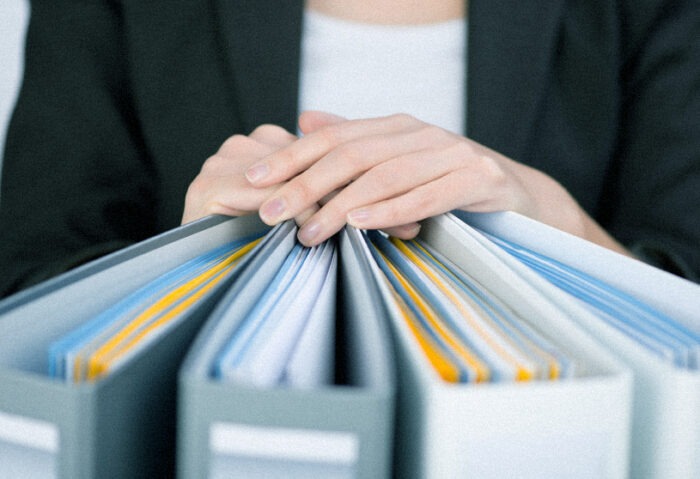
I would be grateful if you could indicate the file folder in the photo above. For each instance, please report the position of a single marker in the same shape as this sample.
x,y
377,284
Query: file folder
x,y
124,424
616,410
666,421
343,429
577,427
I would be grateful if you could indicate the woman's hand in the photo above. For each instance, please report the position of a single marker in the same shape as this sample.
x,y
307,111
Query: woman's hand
x,y
391,172
221,186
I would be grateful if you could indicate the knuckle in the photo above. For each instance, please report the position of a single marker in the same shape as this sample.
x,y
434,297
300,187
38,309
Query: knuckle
x,y
212,165
235,143
301,192
334,212
270,132
199,190
331,135
423,200
391,214
492,169
351,153
403,118
436,135
267,129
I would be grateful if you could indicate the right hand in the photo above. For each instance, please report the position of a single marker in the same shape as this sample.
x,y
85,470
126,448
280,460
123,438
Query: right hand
x,y
221,186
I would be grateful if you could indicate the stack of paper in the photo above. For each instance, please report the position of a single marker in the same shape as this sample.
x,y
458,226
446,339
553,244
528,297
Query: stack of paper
x,y
508,426
651,328
465,332
645,316
287,339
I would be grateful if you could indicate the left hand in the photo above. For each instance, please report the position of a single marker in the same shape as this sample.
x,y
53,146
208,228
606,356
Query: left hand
x,y
391,172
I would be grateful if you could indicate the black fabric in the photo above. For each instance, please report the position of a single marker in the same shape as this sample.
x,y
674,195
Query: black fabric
x,y
123,100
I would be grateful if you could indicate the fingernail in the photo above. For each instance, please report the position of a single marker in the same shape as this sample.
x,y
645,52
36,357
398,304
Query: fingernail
x,y
272,209
309,232
413,230
257,172
357,217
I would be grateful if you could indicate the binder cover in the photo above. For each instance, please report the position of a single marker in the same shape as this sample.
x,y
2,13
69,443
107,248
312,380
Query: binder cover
x,y
570,428
341,430
666,423
122,425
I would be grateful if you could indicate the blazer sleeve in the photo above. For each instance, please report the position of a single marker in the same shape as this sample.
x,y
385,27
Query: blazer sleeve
x,y
655,188
76,181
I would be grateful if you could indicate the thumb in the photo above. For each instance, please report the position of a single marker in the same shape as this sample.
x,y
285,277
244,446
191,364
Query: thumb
x,y
310,121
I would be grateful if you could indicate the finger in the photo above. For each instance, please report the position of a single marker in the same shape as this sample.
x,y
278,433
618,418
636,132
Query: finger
x,y
310,121
404,232
289,161
302,217
273,135
456,190
222,195
387,180
393,167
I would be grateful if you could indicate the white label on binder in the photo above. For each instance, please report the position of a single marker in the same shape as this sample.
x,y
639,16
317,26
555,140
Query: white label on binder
x,y
298,445
28,447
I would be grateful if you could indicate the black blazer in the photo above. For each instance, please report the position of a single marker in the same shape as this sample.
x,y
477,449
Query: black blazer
x,y
123,100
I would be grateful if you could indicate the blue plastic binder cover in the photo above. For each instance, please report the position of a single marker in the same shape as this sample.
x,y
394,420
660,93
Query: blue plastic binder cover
x,y
122,426
343,429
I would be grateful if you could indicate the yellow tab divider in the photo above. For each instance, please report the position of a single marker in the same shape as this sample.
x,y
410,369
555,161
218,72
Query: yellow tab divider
x,y
480,368
523,373
98,363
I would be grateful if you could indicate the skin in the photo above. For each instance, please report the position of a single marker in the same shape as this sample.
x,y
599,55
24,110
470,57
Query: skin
x,y
377,173
372,174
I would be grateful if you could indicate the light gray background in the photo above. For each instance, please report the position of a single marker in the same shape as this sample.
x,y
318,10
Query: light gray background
x,y
14,15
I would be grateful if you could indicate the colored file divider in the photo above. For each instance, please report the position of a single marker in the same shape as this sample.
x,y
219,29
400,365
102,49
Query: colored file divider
x,y
509,425
651,328
291,375
98,346
462,329
290,328
666,420
123,424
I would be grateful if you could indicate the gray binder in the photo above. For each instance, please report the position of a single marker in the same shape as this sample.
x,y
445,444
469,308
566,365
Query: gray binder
x,y
124,424
231,429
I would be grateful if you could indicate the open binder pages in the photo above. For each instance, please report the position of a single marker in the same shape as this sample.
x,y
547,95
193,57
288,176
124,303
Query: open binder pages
x,y
506,427
651,328
666,415
103,344
554,362
122,425
463,330
291,375
288,334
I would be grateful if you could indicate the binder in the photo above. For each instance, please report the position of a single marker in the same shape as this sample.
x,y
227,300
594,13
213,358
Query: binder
x,y
666,421
124,424
339,430
387,412
570,428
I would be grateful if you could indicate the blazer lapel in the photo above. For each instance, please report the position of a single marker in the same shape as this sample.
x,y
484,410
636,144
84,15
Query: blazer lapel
x,y
262,48
510,47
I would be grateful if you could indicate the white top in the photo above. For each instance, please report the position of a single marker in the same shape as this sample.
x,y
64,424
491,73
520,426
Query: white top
x,y
359,70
